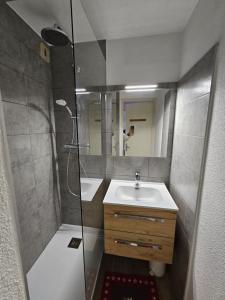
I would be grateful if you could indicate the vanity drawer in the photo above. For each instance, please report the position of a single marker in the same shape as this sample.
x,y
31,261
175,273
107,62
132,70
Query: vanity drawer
x,y
139,246
140,220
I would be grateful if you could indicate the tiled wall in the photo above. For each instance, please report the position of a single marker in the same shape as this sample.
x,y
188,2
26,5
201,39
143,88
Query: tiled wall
x,y
63,88
90,70
207,274
189,137
12,280
167,135
25,84
91,59
90,63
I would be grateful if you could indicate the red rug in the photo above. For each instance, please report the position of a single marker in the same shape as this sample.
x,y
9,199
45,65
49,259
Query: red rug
x,y
119,286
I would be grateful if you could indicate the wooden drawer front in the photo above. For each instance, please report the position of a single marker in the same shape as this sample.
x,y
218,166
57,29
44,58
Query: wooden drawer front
x,y
139,246
139,220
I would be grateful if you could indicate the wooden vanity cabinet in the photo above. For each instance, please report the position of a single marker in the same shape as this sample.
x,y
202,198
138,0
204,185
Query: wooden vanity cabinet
x,y
137,232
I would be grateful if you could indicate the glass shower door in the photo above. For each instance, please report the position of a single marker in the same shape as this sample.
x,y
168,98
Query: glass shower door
x,y
92,183
90,74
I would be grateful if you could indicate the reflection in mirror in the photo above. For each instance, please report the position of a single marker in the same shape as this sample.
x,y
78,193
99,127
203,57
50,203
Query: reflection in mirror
x,y
141,120
89,123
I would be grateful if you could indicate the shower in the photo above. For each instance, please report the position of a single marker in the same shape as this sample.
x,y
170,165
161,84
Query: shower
x,y
63,103
55,36
72,145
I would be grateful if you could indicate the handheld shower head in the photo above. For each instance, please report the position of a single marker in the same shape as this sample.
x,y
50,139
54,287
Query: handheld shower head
x,y
63,103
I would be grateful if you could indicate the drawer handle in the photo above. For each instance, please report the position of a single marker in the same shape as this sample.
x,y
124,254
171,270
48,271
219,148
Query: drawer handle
x,y
134,217
138,244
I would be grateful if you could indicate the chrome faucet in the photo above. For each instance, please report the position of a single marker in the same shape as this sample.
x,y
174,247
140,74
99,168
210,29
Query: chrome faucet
x,y
137,180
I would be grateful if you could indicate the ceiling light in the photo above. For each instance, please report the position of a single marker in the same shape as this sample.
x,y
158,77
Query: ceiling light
x,y
82,93
140,90
135,87
81,90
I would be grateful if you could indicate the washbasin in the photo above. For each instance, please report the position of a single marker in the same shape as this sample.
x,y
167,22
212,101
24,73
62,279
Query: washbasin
x,y
85,187
89,187
142,194
149,194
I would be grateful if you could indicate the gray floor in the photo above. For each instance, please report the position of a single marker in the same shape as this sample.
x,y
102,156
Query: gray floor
x,y
129,266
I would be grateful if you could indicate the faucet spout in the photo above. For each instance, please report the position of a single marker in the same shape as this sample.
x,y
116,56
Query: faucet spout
x,y
137,180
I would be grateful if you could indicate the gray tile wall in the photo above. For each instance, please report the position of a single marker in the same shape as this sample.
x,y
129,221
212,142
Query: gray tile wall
x,y
90,63
90,70
166,125
63,88
90,57
189,137
25,84
95,165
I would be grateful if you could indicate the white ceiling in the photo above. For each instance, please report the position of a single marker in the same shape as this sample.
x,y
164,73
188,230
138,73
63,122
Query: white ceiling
x,y
113,19
108,19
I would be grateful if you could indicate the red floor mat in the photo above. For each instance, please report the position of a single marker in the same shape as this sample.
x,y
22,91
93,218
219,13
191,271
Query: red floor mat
x,y
118,286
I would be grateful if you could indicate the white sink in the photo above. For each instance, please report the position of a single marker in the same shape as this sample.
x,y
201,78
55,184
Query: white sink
x,y
89,187
150,194
142,194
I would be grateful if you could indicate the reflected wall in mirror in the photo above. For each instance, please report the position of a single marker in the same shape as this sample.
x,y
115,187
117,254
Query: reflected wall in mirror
x,y
142,122
89,123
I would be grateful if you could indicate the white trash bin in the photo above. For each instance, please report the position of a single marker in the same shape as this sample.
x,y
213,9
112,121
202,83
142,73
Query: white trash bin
x,y
157,268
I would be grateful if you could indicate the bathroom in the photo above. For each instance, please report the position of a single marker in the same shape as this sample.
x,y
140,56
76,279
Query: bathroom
x,y
112,165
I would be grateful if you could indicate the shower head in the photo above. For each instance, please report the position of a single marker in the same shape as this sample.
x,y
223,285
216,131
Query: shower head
x,y
55,36
63,103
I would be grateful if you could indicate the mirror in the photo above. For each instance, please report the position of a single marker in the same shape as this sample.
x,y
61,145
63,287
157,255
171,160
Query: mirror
x,y
142,122
89,123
